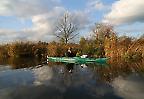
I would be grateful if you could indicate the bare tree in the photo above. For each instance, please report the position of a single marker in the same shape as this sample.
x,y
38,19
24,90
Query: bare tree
x,y
66,28
101,31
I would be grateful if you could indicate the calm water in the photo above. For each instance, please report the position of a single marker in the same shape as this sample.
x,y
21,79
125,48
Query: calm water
x,y
34,79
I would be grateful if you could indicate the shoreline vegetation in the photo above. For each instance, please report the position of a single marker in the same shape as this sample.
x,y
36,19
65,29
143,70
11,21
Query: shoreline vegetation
x,y
113,47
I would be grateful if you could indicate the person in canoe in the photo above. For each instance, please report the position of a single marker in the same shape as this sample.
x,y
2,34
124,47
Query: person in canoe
x,y
69,53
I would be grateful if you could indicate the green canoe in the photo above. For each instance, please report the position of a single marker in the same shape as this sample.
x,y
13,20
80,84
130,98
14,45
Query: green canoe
x,y
77,60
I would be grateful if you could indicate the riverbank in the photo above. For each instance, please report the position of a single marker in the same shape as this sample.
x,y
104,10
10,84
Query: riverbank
x,y
113,47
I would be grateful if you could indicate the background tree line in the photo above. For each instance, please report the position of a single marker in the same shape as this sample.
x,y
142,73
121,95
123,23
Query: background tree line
x,y
104,43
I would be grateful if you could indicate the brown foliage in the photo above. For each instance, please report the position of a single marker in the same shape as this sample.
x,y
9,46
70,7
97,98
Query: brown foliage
x,y
59,49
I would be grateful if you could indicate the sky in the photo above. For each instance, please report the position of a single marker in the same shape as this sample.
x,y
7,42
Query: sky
x,y
34,20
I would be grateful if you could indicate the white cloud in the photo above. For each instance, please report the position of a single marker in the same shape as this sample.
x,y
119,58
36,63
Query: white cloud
x,y
126,11
81,18
97,5
26,8
42,14
44,24
9,35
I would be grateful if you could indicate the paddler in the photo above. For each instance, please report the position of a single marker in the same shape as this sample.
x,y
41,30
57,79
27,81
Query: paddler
x,y
69,52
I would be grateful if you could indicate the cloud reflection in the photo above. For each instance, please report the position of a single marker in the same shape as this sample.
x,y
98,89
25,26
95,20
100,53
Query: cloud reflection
x,y
53,82
42,75
130,87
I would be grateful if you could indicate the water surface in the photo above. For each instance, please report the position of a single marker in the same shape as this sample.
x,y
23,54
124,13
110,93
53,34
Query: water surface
x,y
34,79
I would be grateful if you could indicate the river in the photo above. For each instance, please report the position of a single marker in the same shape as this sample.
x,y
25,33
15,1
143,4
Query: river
x,y
35,79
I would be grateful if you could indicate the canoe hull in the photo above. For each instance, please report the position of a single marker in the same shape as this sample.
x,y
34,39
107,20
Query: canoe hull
x,y
77,60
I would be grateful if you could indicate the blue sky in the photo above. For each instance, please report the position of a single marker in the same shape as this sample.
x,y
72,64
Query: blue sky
x,y
74,4
35,19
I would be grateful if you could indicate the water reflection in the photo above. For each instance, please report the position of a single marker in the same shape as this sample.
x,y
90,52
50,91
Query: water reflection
x,y
42,75
121,68
17,63
130,87
70,67
50,82
15,78
72,81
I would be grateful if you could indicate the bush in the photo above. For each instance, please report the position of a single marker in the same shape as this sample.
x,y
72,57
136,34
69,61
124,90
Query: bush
x,y
3,51
20,49
133,56
59,49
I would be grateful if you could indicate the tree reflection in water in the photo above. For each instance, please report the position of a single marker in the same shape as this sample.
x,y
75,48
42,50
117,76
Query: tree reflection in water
x,y
72,81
